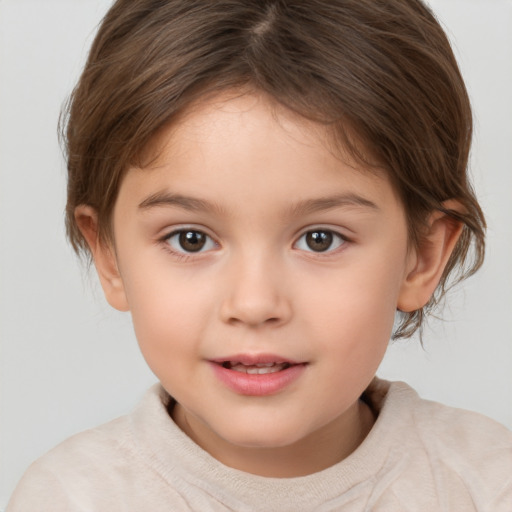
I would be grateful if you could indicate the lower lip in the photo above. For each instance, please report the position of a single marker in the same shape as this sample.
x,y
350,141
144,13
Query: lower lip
x,y
258,384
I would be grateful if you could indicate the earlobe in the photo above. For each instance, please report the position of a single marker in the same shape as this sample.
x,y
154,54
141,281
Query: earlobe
x,y
428,261
104,258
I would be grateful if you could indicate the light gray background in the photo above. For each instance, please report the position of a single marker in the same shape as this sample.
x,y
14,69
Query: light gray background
x,y
69,362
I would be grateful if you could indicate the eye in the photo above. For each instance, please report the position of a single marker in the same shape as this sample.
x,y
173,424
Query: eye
x,y
320,240
190,241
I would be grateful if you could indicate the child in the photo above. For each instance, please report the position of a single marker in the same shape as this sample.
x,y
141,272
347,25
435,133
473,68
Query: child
x,y
263,185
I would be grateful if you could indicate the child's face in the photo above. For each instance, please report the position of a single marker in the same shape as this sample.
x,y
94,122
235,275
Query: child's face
x,y
249,243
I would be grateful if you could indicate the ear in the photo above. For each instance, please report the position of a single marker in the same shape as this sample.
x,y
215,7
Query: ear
x,y
104,258
428,261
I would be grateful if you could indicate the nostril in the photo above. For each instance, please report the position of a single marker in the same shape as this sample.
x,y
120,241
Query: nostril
x,y
256,322
255,307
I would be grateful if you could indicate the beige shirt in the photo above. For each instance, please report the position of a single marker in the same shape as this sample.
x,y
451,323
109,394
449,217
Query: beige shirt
x,y
419,456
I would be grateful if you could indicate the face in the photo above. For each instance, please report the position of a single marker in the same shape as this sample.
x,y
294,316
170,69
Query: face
x,y
262,273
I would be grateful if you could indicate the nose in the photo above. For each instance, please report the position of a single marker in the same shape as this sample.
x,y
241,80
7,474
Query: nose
x,y
256,294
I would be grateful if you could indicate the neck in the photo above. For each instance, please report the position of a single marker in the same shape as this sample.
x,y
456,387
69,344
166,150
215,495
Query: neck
x,y
327,446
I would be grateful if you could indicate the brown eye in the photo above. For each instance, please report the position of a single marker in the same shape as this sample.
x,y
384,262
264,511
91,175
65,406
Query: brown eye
x,y
319,241
190,241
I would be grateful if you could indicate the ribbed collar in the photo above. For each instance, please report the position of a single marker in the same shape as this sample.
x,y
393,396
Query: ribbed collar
x,y
183,464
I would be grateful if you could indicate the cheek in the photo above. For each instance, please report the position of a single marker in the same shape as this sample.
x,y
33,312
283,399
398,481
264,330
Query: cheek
x,y
364,294
170,313
354,315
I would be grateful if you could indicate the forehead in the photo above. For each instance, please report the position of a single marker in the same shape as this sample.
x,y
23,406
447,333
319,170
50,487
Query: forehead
x,y
247,143
234,115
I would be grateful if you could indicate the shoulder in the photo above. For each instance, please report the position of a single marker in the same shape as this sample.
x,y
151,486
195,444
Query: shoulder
x,y
62,474
74,473
471,435
460,449
459,428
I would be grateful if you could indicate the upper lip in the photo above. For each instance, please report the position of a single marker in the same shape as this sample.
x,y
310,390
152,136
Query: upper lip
x,y
253,359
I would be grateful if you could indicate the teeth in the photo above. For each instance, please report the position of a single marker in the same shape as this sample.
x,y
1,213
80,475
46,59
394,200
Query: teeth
x,y
257,369
259,365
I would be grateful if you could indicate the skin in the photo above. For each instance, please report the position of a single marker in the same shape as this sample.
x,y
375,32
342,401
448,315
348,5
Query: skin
x,y
253,175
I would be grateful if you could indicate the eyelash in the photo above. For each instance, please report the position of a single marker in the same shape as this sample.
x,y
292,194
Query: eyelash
x,y
336,238
182,254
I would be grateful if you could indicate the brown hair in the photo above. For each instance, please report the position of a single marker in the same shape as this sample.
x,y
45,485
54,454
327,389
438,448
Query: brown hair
x,y
380,73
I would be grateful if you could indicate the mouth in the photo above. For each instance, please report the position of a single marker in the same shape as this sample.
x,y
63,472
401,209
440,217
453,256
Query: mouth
x,y
256,369
257,375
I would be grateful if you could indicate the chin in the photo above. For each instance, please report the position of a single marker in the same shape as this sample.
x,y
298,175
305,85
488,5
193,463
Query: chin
x,y
262,436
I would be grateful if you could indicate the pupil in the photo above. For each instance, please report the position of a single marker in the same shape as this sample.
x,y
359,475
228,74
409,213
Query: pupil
x,y
319,240
192,241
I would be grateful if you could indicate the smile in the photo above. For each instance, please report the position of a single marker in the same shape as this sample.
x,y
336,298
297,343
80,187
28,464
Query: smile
x,y
255,369
257,375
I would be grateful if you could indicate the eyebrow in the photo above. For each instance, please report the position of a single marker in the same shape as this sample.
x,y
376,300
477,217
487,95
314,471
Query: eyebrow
x,y
186,202
307,206
336,201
